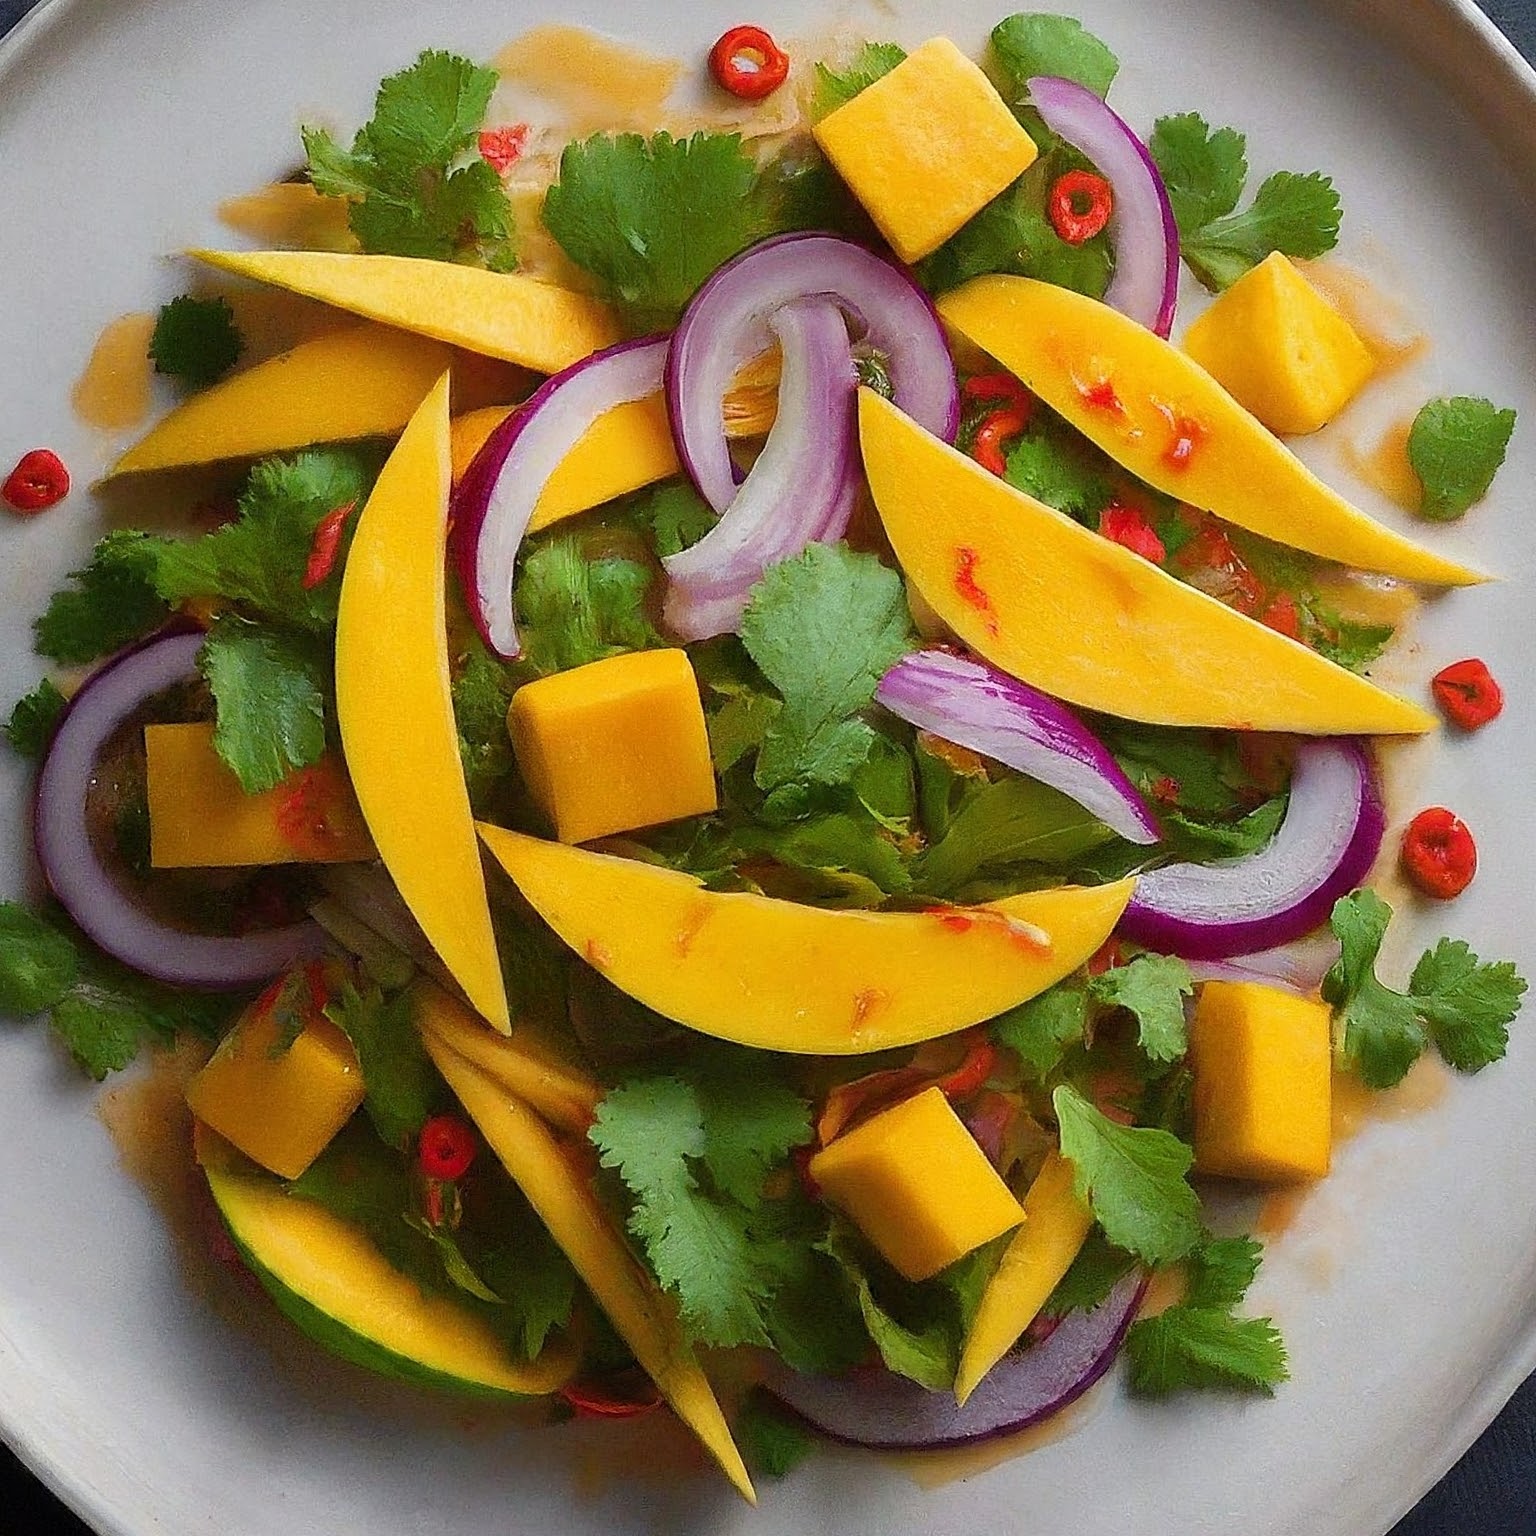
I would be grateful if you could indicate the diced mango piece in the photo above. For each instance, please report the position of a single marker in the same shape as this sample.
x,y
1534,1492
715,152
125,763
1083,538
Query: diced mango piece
x,y
1056,1223
615,745
280,1106
200,817
917,1185
1281,349
1263,1063
926,147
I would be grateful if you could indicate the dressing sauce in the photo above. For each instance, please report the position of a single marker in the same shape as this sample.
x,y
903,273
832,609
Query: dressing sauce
x,y
1385,466
593,83
116,391
1384,324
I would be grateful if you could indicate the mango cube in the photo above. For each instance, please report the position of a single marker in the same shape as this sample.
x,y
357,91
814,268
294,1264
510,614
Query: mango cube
x,y
280,1107
917,1185
200,817
926,147
1280,349
1263,1067
615,745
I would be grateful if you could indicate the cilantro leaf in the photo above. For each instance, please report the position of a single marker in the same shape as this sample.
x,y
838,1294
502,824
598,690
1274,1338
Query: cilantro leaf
x,y
1383,1033
269,688
1032,44
402,1086
38,964
1094,1273
1153,988
652,218
30,727
1060,471
676,515
1292,213
823,627
1204,171
1203,839
739,727
1042,1030
773,1441
1456,447
482,692
834,844
1348,642
110,603
577,609
1132,1177
1467,1005
408,196
101,1030
196,340
837,87
1199,1343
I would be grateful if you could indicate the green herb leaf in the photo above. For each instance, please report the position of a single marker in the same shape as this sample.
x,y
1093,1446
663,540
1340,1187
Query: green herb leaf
x,y
269,688
1032,44
1204,171
1059,469
676,515
38,963
196,340
1098,1268
1383,1034
482,692
109,603
1456,447
576,609
773,1442
1042,1030
837,87
30,727
1133,1178
1347,642
1153,988
1466,1004
403,1087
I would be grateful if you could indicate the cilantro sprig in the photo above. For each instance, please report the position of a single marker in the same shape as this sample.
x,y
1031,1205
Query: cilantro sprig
x,y
33,718
196,340
1456,446
1039,43
837,87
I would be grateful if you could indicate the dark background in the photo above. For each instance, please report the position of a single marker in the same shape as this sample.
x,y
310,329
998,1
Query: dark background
x,y
1491,1492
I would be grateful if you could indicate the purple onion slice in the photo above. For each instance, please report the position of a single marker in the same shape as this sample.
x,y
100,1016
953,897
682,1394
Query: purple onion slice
x,y
497,496
974,705
1142,230
726,325
83,884
1297,967
1325,846
876,1408
800,488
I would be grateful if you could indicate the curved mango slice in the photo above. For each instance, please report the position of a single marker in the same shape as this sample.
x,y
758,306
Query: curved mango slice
x,y
1086,620
500,314
1164,418
559,1188
786,977
395,707
1056,1223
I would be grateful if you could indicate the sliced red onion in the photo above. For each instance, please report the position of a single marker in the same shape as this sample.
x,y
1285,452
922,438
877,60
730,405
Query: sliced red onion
x,y
801,487
877,1408
1142,230
1325,846
82,883
1298,967
974,705
495,500
726,325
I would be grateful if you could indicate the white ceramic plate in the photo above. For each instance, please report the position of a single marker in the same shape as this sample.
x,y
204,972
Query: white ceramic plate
x,y
1406,1288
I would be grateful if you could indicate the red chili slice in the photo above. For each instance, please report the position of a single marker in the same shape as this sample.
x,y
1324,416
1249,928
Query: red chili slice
x,y
1439,853
615,1397
326,545
1000,387
1128,526
445,1148
995,430
1079,206
39,481
748,63
1468,694
502,148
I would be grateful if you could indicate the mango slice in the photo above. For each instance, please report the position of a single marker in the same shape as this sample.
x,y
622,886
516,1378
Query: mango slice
x,y
786,977
1086,620
395,707
558,1184
1160,415
1056,1223
500,314
364,381
329,1278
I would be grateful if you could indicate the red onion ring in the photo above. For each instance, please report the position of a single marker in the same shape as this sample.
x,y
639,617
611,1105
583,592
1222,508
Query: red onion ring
x,y
1325,846
797,491
876,1408
81,882
497,496
974,705
1142,229
1297,967
726,325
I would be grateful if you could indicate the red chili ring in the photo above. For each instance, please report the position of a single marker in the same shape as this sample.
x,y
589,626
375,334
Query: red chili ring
x,y
445,1148
39,481
1468,694
1439,854
1079,205
748,63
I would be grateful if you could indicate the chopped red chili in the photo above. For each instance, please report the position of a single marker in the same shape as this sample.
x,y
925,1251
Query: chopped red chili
x,y
616,1397
502,148
1079,205
1468,694
970,590
1439,854
748,63
326,545
1187,435
39,481
1001,387
445,1148
1101,395
995,430
1128,526
972,1073
1283,615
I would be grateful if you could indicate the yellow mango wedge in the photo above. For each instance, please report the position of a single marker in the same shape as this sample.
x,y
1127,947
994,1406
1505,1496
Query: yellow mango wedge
x,y
365,381
521,1063
785,977
1085,619
559,1187
1164,418
395,708
1056,1223
500,314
